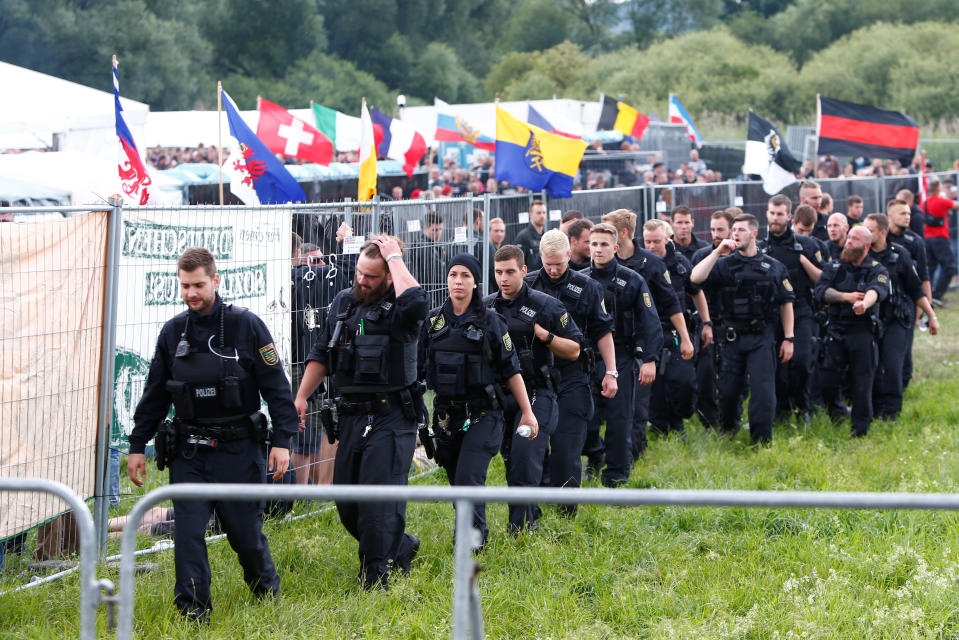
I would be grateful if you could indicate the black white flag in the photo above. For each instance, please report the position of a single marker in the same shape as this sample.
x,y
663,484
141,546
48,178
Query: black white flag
x,y
768,156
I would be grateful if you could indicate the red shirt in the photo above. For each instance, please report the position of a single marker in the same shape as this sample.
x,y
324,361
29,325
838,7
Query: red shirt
x,y
939,207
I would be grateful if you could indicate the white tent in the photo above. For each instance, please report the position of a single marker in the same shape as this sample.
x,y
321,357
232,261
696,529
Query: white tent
x,y
190,128
43,111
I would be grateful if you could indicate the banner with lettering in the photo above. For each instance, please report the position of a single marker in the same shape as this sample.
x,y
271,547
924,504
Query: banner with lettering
x,y
252,253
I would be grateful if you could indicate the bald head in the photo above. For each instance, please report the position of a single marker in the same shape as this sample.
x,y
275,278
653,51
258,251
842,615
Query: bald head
x,y
860,234
837,226
857,246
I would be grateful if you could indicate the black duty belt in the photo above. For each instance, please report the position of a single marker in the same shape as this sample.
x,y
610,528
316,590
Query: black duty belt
x,y
224,432
468,407
731,331
376,404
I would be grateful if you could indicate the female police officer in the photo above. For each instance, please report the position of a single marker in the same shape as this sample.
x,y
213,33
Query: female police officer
x,y
465,354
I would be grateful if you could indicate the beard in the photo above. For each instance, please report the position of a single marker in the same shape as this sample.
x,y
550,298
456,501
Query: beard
x,y
368,296
853,255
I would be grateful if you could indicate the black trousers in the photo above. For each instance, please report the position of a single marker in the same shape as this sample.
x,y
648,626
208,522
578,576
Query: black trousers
x,y
907,359
673,395
467,454
941,256
617,412
566,443
381,454
792,378
887,389
851,355
524,457
749,360
707,407
237,461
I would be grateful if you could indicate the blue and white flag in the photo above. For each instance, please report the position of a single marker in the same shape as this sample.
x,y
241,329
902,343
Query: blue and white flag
x,y
256,176
135,181
679,115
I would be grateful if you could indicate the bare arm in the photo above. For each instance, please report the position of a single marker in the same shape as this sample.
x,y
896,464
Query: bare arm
x,y
701,271
608,353
518,388
786,315
313,374
563,347
811,270
402,278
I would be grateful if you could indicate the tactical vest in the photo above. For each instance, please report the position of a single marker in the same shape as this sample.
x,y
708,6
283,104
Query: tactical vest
x,y
535,359
616,288
852,279
897,306
365,356
747,302
459,358
789,256
208,385
571,295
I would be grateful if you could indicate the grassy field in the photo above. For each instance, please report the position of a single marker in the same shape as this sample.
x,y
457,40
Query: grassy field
x,y
632,572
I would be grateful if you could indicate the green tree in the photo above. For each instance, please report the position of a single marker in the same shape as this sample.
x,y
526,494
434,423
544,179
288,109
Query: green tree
x,y
561,70
535,26
439,72
653,20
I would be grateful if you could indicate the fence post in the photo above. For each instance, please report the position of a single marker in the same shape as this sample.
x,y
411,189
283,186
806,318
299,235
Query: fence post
x,y
376,215
486,241
732,193
469,225
101,504
463,612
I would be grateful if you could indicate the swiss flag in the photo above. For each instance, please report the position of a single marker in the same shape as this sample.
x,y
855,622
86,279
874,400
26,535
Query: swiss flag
x,y
281,132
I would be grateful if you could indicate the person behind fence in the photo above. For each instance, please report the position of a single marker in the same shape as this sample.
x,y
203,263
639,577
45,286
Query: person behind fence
x,y
214,362
637,340
467,357
942,260
751,286
529,238
897,314
803,259
684,239
369,347
583,298
542,333
852,289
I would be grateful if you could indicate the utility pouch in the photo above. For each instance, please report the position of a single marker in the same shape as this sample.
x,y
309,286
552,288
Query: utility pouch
x,y
259,429
329,424
230,393
428,440
164,444
664,357
371,360
182,399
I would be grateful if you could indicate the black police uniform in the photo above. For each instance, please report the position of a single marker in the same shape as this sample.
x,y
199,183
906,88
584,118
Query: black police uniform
x,y
637,338
578,266
897,314
707,405
371,351
849,341
695,245
793,378
215,368
916,247
673,393
833,251
751,289
524,458
583,299
653,269
464,359
528,240
820,231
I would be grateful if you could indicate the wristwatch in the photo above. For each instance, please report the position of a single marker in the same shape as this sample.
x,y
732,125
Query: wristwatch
x,y
549,337
613,373
790,339
708,323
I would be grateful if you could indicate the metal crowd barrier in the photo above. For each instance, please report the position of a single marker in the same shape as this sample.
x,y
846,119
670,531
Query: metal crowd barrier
x,y
467,611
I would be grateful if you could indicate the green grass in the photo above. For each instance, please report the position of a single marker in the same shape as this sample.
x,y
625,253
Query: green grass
x,y
632,572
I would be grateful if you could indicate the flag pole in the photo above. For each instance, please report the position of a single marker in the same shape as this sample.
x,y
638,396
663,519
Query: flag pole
x,y
219,133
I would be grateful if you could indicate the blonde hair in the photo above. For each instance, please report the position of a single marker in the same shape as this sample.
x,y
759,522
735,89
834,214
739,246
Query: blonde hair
x,y
554,242
656,223
604,227
622,219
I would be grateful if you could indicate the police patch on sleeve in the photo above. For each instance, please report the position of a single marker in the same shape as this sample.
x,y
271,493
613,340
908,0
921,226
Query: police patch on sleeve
x,y
269,354
666,276
882,278
507,342
818,255
647,300
438,322
564,319
787,284
602,305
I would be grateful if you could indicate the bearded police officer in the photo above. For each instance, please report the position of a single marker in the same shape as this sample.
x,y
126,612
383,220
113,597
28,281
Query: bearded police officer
x,y
752,286
852,288
214,362
369,345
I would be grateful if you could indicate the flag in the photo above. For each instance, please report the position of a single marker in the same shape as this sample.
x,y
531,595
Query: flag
x,y
135,181
282,132
678,115
341,129
554,123
400,141
256,176
768,156
366,187
850,129
619,116
452,128
529,157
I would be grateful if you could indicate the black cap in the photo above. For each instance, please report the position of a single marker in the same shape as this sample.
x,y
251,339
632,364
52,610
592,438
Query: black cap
x,y
468,261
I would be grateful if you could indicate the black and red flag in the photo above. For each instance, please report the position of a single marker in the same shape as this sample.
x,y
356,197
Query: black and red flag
x,y
850,129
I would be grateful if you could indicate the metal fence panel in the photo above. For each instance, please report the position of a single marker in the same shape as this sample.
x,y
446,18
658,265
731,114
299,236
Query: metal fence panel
x,y
596,203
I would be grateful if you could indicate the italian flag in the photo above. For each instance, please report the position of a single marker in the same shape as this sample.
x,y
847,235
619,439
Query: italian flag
x,y
341,129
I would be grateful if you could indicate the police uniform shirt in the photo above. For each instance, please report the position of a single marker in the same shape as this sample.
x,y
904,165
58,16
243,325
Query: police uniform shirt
x,y
819,231
504,361
528,240
654,271
723,274
403,317
916,247
578,266
582,297
679,268
906,287
787,248
257,356
688,251
845,277
833,251
628,299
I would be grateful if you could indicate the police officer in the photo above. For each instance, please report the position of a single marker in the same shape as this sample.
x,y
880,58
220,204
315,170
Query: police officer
x,y
632,254
637,339
684,239
583,299
707,407
673,394
466,354
529,238
803,261
852,288
752,286
369,345
897,314
837,226
542,331
214,362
